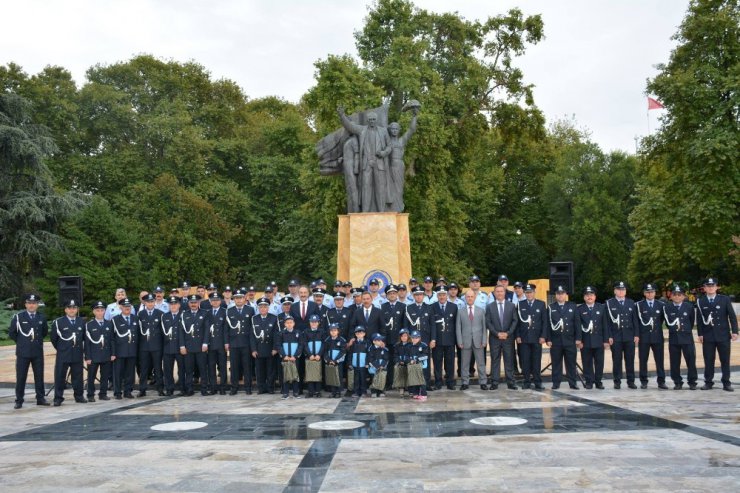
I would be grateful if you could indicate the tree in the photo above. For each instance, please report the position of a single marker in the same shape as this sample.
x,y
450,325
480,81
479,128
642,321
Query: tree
x,y
30,208
690,179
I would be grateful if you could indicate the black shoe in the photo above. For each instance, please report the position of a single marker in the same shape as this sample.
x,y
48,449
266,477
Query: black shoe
x,y
662,386
317,394
450,387
309,396
430,389
57,403
232,392
43,402
573,387
91,398
222,392
81,400
142,393
678,386
692,386
438,387
260,392
525,386
728,388
103,397
161,393
270,391
511,386
249,391
555,386
617,385
118,397
285,396
588,386
169,393
484,387
204,393
707,386
464,387
632,385
18,405
643,385
599,385
538,386
493,386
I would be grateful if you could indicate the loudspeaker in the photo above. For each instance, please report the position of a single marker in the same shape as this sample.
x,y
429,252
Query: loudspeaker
x,y
561,273
70,288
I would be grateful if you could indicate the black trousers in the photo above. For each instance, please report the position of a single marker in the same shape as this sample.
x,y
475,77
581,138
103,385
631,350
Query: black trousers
x,y
359,386
195,361
593,364
498,348
530,357
390,368
217,357
92,372
168,371
241,364
710,349
21,375
265,372
60,379
150,360
123,375
623,350
643,351
689,355
444,356
558,354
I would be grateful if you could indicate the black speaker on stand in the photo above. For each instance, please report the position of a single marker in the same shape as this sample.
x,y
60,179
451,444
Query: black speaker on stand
x,y
561,274
70,288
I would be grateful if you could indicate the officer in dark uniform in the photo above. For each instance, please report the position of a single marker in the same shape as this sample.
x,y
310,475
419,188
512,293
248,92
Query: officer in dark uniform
x,y
419,317
238,326
444,317
28,329
286,302
680,319
339,315
263,331
394,318
98,351
531,332
183,293
717,327
649,321
205,303
355,302
562,334
150,345
125,341
622,334
215,338
591,321
68,338
171,353
193,329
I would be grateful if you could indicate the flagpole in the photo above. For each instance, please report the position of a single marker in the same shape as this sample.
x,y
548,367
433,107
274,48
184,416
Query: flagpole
x,y
648,120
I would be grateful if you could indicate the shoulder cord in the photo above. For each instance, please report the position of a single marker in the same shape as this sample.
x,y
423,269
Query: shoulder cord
x,y
519,312
707,321
72,338
618,320
115,329
558,327
676,322
100,339
31,332
650,322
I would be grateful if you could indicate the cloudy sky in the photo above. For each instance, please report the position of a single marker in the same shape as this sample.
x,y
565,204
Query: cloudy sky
x,y
592,66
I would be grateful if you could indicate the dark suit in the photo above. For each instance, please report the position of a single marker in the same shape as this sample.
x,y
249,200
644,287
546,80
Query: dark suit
x,y
621,327
172,339
125,342
215,337
68,338
591,323
239,326
501,347
445,321
341,317
193,327
98,350
563,338
680,321
419,317
373,323
649,322
716,322
261,340
28,334
150,348
301,323
393,320
531,327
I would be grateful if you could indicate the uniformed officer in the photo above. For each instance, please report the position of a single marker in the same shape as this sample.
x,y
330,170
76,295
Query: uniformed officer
x,y
262,337
531,333
98,351
444,317
172,339
215,339
717,327
227,297
286,302
649,321
453,295
275,307
28,329
205,293
394,317
68,338
125,348
183,292
355,303
430,297
419,317
562,334
622,334
680,318
159,302
150,345
113,309
593,341
374,290
481,297
193,327
339,315
239,322
319,297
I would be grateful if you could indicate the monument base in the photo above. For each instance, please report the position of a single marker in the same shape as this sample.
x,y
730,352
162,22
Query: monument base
x,y
374,244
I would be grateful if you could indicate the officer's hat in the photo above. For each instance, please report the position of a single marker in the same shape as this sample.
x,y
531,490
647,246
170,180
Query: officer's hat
x,y
503,277
356,291
442,279
333,326
338,283
159,289
391,287
374,281
528,288
359,328
148,297
620,285
402,287
194,298
320,280
286,300
711,281
98,304
318,291
648,287
589,290
201,286
347,284
239,293
263,301
71,304
227,289
338,295
453,285
378,337
214,296
273,284
415,334
251,289
211,286
417,289
678,290
518,284
403,331
312,285
32,298
125,302
172,300
441,289
268,289
560,289
184,285
287,317
474,278
293,282
314,318
412,280
428,279
174,290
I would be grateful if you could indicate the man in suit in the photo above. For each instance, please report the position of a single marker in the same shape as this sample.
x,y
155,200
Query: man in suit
x,y
369,316
215,338
501,324
717,327
28,329
590,319
444,316
303,309
470,328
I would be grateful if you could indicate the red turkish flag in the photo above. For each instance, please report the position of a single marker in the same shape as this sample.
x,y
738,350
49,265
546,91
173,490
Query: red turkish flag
x,y
653,104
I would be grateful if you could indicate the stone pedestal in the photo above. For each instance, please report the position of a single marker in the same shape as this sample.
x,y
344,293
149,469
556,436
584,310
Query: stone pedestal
x,y
374,244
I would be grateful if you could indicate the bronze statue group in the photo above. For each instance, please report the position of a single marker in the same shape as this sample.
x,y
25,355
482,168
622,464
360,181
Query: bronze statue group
x,y
364,342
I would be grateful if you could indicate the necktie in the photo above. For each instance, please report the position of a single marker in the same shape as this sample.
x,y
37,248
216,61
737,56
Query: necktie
x,y
367,314
530,304
150,313
650,304
711,300
128,320
621,302
303,310
215,312
590,308
501,314
33,317
443,308
470,313
239,310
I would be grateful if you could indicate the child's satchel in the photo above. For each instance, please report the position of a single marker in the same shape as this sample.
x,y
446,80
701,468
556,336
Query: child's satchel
x,y
350,378
400,377
379,380
313,371
416,375
290,372
331,374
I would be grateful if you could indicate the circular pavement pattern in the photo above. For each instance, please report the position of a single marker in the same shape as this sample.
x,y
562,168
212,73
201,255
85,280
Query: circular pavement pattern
x,y
498,421
337,424
179,426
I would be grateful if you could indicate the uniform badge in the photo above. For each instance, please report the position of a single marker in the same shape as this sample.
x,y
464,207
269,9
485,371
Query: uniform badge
x,y
598,312
685,314
570,310
537,310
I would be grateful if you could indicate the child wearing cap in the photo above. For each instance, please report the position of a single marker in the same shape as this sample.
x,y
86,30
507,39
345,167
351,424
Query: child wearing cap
x,y
290,346
358,362
378,357
313,340
419,357
402,357
334,354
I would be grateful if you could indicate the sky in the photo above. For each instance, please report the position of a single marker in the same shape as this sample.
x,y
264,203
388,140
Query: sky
x,y
592,65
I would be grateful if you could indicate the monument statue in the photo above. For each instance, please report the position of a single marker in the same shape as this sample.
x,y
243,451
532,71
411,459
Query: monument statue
x,y
369,153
